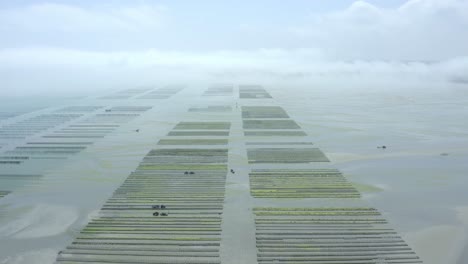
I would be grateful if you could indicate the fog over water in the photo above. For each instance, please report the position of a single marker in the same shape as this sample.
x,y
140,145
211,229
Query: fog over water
x,y
69,46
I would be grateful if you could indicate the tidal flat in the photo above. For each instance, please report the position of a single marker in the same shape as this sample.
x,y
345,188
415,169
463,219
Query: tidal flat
x,y
418,182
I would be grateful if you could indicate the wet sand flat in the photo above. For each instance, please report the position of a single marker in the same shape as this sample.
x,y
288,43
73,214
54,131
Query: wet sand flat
x,y
263,212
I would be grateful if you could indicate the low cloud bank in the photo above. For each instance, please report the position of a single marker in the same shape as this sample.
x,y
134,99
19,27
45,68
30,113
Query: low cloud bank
x,y
80,48
42,70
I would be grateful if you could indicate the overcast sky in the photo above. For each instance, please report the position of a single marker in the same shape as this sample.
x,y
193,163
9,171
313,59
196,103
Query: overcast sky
x,y
391,30
225,33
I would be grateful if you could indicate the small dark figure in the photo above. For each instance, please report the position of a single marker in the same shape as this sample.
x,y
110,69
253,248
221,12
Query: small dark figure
x,y
108,110
163,206
164,214
138,130
156,214
192,172
155,207
384,147
232,171
186,172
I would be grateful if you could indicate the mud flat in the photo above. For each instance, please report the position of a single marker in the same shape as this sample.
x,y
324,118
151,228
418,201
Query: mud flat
x,y
285,200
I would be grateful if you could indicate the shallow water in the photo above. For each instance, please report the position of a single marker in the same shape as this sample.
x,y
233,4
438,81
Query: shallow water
x,y
421,175
418,182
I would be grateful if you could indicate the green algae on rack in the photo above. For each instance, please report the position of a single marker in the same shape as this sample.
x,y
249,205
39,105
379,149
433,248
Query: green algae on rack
x,y
129,108
211,109
285,155
203,126
300,184
188,152
167,211
193,142
202,133
269,124
278,143
80,108
327,235
263,112
269,133
253,92
182,167
163,213
4,193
